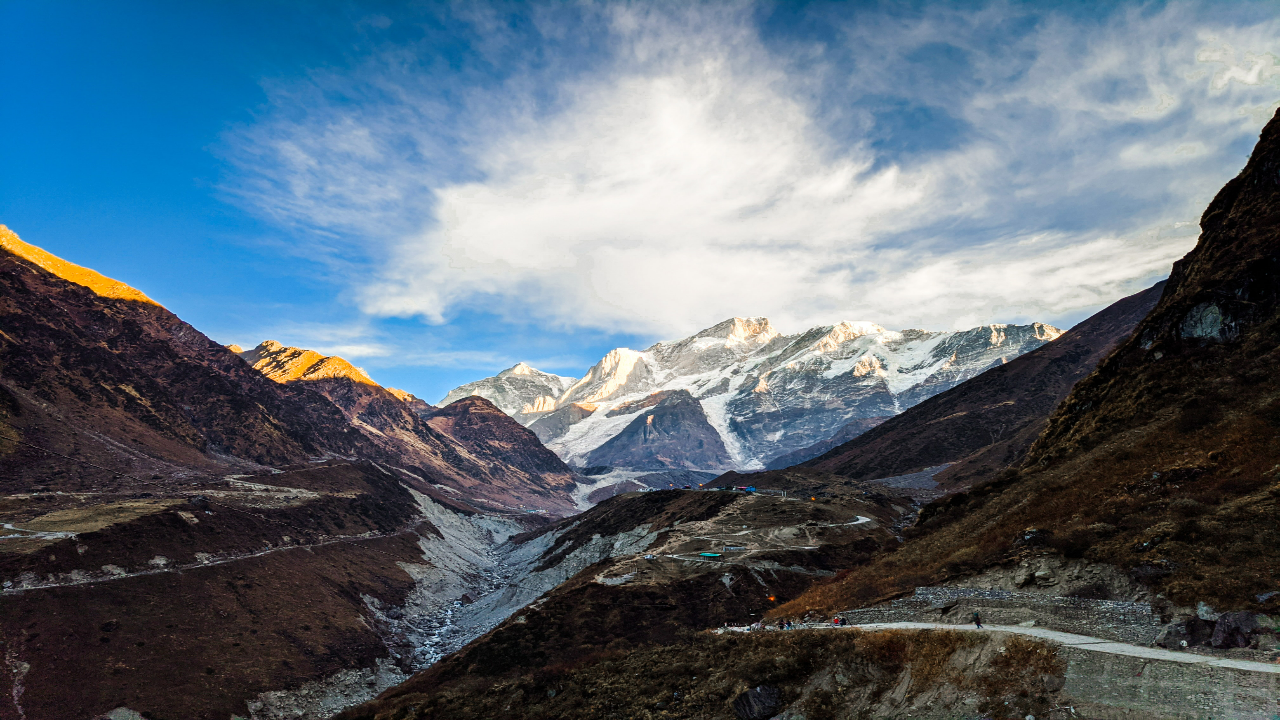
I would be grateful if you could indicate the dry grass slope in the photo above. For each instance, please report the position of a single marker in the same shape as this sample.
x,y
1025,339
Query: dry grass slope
x,y
825,675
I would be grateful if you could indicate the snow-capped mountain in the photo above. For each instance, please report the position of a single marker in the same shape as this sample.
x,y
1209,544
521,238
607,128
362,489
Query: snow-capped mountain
x,y
762,394
519,391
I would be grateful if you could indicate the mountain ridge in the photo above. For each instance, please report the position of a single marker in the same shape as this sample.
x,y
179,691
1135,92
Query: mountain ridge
x,y
764,393
101,373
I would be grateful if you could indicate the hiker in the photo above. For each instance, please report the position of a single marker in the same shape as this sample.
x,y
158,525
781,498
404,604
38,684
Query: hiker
x,y
977,620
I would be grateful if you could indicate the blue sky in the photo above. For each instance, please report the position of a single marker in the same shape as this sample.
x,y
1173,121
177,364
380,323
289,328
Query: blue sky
x,y
436,191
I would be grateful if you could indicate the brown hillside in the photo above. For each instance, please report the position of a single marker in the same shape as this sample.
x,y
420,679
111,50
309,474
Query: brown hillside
x,y
470,446
95,383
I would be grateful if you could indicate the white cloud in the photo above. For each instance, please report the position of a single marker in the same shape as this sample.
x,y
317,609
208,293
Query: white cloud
x,y
700,172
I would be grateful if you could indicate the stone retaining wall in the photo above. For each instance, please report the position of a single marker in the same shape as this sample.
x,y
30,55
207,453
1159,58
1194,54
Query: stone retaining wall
x,y
1112,687
1128,622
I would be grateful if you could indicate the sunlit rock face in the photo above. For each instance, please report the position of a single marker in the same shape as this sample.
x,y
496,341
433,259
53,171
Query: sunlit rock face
x,y
286,364
763,393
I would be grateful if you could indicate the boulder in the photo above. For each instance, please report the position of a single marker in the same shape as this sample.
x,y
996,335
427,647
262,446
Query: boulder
x,y
1032,537
1200,630
1234,629
759,703
1174,636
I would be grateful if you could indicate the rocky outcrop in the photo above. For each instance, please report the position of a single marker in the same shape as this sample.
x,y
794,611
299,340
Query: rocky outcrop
x,y
670,432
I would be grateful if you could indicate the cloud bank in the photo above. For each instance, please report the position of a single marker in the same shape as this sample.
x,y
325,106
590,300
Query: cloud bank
x,y
653,169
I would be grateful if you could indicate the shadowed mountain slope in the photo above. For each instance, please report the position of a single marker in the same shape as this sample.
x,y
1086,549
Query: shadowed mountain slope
x,y
1163,462
849,431
470,445
93,385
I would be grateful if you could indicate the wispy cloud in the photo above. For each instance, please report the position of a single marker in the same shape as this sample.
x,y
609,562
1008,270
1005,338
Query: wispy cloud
x,y
939,168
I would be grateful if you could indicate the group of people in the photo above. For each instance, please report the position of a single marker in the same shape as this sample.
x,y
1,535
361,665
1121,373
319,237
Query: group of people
x,y
838,621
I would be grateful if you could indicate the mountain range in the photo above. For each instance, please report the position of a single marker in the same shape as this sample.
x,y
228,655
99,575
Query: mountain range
x,y
739,394
1121,482
195,530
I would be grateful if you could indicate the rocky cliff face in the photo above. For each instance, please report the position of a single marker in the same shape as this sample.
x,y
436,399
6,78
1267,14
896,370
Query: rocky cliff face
x,y
767,394
670,431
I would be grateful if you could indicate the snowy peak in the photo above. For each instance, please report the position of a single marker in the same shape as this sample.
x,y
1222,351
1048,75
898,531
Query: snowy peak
x,y
519,391
754,330
518,369
621,370
840,334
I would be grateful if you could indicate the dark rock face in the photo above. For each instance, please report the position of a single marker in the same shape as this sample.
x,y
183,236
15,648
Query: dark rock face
x,y
1174,636
988,422
1224,291
851,430
672,433
758,703
1234,630
557,422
